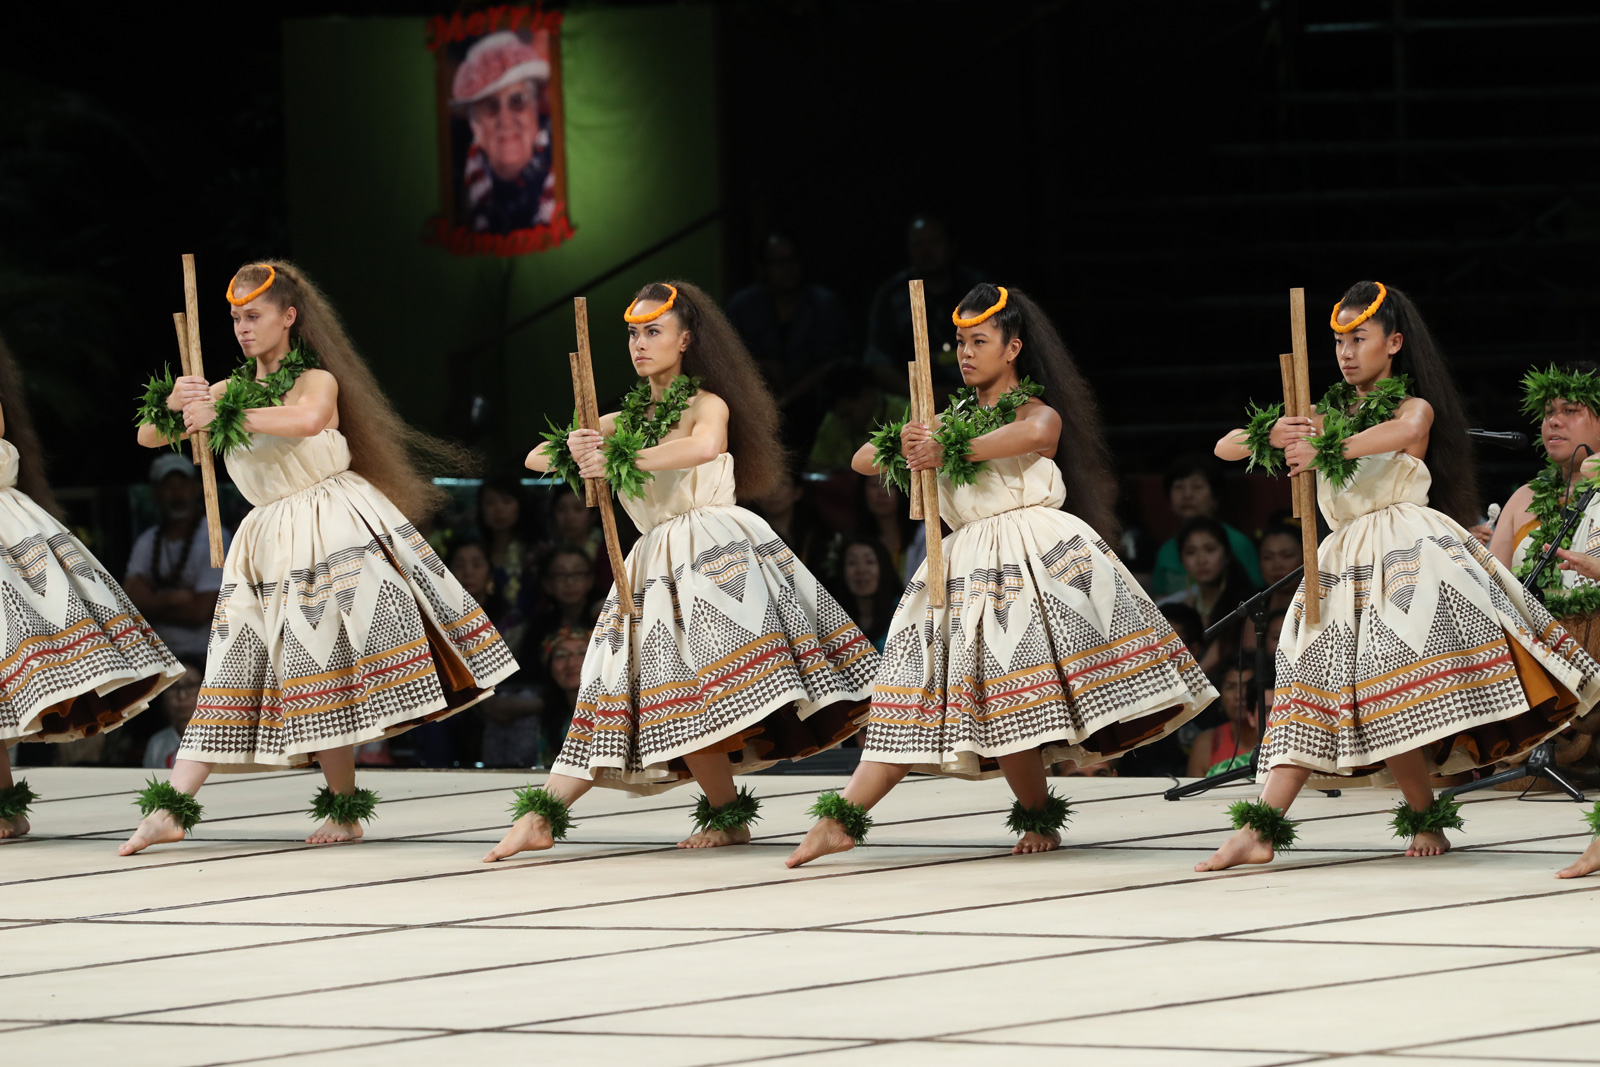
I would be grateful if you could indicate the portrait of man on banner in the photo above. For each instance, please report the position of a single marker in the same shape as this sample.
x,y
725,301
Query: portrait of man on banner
x,y
503,165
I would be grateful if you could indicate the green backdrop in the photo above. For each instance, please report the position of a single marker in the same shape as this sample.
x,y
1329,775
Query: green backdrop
x,y
363,180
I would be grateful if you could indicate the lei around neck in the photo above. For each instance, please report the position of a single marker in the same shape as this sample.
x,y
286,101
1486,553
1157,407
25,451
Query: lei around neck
x,y
1550,494
245,391
635,431
1344,413
963,421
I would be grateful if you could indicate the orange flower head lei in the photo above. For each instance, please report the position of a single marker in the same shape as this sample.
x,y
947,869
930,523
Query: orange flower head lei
x,y
629,316
241,301
1372,308
999,305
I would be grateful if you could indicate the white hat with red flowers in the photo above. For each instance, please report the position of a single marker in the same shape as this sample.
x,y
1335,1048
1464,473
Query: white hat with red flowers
x,y
499,60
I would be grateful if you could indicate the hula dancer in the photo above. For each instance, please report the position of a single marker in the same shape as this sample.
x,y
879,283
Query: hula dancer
x,y
1047,650
739,658
1429,658
336,624
76,657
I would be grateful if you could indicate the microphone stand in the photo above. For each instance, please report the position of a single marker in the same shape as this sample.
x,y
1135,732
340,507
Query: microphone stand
x,y
1256,608
1542,760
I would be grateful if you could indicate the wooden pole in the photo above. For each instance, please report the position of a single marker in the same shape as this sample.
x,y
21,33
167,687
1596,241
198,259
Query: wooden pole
x,y
200,442
922,394
916,416
1286,368
178,320
1308,479
596,493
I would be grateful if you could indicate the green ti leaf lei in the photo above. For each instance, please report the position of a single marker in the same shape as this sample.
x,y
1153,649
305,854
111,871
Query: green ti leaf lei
x,y
1345,414
965,419
245,391
1549,494
885,441
1540,387
153,408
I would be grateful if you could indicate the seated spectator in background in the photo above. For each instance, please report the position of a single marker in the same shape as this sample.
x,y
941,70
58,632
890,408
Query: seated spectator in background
x,y
563,662
866,586
575,525
1247,637
176,702
571,597
797,332
1192,491
505,525
1280,552
858,407
784,510
944,281
1215,584
170,577
1185,622
1236,734
884,515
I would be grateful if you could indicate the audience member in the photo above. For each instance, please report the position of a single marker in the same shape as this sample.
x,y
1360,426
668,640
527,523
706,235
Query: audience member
x,y
570,595
797,332
1280,552
1193,492
858,407
505,524
945,282
866,585
575,525
796,524
564,651
170,577
1236,734
884,515
176,703
1215,584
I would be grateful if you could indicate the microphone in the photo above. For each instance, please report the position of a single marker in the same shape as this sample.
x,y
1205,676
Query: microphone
x,y
1504,438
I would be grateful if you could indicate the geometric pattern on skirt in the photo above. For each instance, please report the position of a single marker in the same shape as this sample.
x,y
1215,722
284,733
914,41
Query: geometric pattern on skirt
x,y
1426,641
1046,642
76,657
336,624
737,649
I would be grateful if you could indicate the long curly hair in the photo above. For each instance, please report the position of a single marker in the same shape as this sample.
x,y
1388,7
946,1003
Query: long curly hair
x,y
20,432
394,456
1450,461
1082,452
719,358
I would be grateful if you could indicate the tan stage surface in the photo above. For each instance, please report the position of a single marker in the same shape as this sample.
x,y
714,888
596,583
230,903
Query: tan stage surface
x,y
931,945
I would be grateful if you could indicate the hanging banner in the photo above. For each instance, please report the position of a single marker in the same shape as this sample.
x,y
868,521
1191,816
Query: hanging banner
x,y
502,150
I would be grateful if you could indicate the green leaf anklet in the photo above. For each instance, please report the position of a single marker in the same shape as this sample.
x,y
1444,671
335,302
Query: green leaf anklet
x,y
1045,820
853,817
1592,817
536,800
1442,814
345,808
739,812
15,800
1269,823
163,796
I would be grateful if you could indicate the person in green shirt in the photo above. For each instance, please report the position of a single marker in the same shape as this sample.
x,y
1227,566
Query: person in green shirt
x,y
1191,484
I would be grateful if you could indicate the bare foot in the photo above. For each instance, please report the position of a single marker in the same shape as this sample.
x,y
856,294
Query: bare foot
x,y
1586,863
1245,846
333,833
531,833
1032,842
716,838
823,839
158,828
17,827
1429,843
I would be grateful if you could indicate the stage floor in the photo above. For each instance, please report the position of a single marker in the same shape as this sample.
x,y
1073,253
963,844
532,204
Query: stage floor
x,y
931,945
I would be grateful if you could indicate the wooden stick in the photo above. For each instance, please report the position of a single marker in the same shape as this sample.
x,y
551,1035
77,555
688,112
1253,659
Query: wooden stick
x,y
178,320
200,442
597,494
916,416
922,394
1308,479
1286,368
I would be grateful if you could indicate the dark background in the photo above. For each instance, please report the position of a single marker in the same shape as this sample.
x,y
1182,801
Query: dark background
x,y
1159,174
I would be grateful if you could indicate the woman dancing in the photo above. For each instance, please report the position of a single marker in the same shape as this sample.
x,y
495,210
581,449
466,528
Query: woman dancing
x,y
1429,659
76,657
1048,649
336,623
738,658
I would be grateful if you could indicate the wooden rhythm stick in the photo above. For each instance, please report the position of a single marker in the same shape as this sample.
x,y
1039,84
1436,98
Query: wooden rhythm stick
x,y
200,442
179,320
922,401
1286,369
596,493
916,416
1307,479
